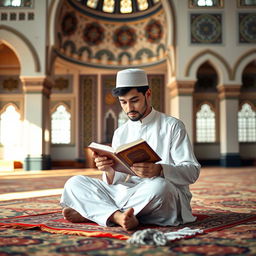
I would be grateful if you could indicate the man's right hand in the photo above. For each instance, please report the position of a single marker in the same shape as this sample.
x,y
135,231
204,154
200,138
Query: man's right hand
x,y
103,163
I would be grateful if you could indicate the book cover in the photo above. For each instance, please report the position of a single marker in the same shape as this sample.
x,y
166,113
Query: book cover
x,y
126,155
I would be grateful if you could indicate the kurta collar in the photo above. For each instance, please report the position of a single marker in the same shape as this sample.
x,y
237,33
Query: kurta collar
x,y
146,119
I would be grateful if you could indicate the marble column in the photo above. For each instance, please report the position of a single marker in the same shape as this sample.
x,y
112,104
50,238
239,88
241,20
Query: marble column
x,y
181,93
229,144
37,122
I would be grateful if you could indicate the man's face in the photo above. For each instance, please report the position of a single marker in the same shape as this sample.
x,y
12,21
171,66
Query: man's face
x,y
135,104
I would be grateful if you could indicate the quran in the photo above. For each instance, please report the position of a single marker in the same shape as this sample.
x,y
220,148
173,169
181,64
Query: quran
x,y
126,155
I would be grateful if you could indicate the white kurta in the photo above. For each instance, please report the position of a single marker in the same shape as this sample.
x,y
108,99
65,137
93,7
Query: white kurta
x,y
162,200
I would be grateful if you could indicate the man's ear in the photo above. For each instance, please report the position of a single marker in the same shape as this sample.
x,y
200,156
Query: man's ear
x,y
148,92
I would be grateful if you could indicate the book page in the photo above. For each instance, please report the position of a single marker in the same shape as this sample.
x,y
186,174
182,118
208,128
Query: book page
x,y
101,146
128,145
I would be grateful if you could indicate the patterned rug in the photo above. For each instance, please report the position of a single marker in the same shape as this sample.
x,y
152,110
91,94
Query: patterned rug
x,y
222,195
54,223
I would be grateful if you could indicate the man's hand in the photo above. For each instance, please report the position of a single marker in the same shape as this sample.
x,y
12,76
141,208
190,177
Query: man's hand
x,y
147,170
102,162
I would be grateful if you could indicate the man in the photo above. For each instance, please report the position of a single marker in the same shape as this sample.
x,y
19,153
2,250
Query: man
x,y
159,194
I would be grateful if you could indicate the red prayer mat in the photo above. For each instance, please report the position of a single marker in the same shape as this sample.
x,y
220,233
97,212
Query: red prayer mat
x,y
53,222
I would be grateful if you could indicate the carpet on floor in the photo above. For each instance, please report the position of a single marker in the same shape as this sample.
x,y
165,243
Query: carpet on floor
x,y
54,222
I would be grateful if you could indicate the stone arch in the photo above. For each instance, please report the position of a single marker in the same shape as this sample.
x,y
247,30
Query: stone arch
x,y
22,47
218,62
241,63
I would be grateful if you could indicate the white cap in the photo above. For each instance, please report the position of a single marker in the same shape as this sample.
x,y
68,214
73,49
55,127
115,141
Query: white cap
x,y
132,77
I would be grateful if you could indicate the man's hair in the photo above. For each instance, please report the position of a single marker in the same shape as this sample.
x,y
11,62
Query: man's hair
x,y
121,91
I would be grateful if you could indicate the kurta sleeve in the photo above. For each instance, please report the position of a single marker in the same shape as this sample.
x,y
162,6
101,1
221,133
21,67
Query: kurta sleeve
x,y
183,168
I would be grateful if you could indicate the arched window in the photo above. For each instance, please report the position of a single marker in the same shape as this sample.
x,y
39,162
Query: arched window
x,y
246,124
61,126
11,132
205,124
16,3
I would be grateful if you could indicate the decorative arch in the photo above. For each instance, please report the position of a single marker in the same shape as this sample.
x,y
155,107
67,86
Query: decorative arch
x,y
247,102
109,54
122,54
110,121
242,62
148,52
69,44
217,61
5,106
207,102
23,48
60,103
84,49
159,48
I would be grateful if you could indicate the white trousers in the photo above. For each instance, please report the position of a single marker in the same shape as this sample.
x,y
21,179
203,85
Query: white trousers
x,y
154,200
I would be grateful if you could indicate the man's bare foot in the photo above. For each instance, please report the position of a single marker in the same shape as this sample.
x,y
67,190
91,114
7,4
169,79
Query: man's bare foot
x,y
72,215
127,220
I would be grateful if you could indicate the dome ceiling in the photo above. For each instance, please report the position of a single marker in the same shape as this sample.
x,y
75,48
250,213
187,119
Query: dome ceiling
x,y
95,38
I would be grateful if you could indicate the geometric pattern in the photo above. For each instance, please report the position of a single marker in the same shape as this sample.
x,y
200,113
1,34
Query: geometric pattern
x,y
154,31
247,28
124,37
69,24
10,84
93,34
88,110
110,42
206,28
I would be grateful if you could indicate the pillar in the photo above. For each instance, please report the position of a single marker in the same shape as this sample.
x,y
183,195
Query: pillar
x,y
37,122
229,144
181,93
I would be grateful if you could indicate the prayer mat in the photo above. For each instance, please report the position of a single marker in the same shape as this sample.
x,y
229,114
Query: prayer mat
x,y
53,222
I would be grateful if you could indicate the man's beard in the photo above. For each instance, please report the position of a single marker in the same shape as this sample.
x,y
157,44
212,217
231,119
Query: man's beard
x,y
140,115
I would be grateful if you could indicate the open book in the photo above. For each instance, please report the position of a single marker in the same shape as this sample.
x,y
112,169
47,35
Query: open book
x,y
126,155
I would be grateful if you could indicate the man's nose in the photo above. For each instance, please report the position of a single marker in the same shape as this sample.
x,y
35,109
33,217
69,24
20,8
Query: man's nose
x,y
130,106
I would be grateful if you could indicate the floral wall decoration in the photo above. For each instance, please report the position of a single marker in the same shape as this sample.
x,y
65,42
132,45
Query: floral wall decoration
x,y
206,28
93,33
247,28
154,31
124,37
69,24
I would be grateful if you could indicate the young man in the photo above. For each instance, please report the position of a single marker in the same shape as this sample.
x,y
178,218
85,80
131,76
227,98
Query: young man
x,y
159,194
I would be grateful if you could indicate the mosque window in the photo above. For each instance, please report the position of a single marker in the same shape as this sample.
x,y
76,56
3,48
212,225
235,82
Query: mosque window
x,y
16,3
143,5
205,3
125,6
108,6
119,7
205,124
10,132
92,3
61,126
247,124
246,3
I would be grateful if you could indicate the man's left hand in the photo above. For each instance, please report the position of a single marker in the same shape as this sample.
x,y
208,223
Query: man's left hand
x,y
147,170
